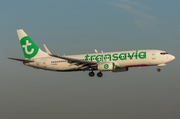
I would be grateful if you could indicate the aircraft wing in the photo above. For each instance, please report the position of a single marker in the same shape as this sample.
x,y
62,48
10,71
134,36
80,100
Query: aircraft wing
x,y
73,61
22,60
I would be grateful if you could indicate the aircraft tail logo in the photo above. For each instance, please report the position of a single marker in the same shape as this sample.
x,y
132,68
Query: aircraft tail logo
x,y
30,49
26,49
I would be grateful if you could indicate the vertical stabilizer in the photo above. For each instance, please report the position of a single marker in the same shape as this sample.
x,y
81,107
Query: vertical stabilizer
x,y
30,49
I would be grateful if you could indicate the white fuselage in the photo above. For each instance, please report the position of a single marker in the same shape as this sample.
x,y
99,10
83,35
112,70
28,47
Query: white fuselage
x,y
133,58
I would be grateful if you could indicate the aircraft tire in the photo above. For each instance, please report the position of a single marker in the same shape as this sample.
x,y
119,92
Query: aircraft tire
x,y
99,74
91,74
158,69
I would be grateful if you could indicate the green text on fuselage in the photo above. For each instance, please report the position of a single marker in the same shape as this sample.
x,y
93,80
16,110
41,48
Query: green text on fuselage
x,y
116,56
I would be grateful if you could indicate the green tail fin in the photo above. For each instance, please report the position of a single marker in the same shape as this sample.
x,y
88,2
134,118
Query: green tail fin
x,y
30,49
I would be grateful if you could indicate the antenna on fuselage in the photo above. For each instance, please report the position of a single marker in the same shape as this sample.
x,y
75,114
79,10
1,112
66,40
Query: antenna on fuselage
x,y
95,51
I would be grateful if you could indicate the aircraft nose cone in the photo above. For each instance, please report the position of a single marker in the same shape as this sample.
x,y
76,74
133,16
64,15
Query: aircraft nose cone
x,y
172,57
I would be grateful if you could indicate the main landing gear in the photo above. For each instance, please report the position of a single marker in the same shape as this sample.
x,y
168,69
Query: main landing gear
x,y
99,74
91,74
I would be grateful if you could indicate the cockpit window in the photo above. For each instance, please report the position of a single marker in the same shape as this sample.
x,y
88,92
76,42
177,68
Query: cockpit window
x,y
163,53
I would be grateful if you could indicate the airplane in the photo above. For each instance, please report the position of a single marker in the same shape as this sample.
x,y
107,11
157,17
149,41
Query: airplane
x,y
119,61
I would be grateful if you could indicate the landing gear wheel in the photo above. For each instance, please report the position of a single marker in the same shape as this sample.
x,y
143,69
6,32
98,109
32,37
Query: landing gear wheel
x,y
99,74
91,74
158,69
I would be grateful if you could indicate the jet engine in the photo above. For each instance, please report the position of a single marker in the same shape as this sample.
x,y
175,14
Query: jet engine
x,y
107,66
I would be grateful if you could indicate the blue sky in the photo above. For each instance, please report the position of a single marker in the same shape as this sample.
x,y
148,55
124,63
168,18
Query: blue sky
x,y
75,27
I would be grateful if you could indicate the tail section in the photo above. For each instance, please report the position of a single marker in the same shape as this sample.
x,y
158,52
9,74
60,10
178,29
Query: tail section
x,y
30,49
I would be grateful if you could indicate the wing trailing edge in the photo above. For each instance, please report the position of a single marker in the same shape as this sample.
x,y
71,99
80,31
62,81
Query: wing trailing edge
x,y
70,60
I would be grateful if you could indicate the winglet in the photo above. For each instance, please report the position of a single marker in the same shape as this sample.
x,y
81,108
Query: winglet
x,y
47,50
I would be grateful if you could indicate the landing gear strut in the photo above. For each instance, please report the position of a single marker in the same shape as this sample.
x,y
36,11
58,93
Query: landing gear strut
x,y
99,74
91,74
158,69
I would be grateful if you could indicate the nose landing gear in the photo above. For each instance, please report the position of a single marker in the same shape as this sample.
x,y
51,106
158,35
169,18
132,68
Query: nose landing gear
x,y
158,69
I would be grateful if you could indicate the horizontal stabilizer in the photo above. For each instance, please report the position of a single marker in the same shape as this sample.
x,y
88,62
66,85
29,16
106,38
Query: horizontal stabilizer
x,y
22,60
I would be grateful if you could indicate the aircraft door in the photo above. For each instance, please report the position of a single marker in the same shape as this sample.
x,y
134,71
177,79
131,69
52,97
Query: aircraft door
x,y
44,63
153,55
